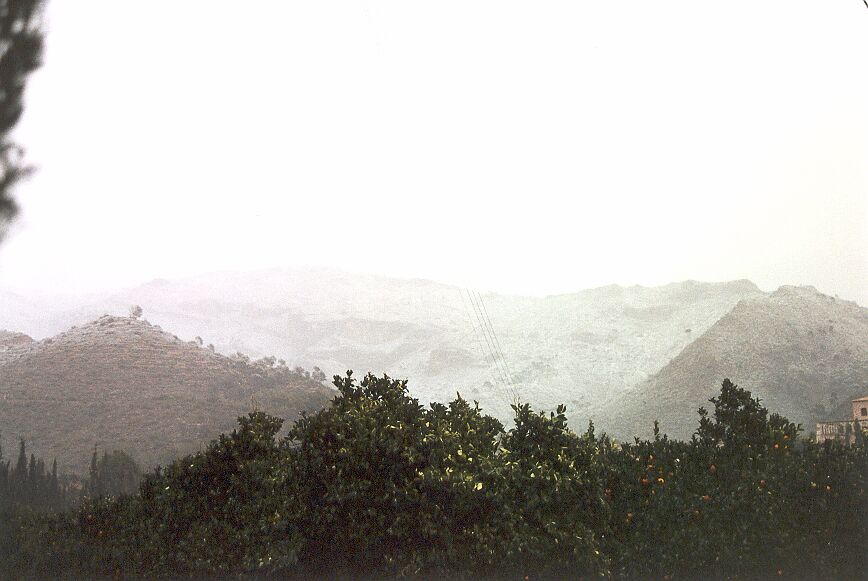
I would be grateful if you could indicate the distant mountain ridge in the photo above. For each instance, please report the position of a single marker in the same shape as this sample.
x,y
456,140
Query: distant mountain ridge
x,y
583,349
621,356
803,353
118,382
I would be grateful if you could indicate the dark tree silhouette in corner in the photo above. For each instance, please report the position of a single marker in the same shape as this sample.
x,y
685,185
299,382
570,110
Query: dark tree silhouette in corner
x,y
21,43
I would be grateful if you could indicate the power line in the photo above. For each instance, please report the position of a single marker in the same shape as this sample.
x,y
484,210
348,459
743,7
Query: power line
x,y
486,342
509,375
494,335
488,338
476,332
497,356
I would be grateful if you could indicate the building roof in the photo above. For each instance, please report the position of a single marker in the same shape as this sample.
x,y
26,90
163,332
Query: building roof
x,y
863,398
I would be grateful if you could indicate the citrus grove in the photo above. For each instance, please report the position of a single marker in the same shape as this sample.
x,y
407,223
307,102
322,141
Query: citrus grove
x,y
377,486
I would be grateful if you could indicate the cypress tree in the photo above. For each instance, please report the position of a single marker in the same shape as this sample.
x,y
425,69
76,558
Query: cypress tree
x,y
93,476
21,465
40,488
54,488
4,483
29,495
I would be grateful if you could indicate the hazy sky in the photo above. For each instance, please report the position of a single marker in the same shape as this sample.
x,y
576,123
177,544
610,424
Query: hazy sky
x,y
522,147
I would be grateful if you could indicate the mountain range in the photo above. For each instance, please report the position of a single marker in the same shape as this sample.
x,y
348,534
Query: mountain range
x,y
622,356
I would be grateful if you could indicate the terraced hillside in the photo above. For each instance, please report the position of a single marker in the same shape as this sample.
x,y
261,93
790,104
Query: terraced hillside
x,y
803,353
119,382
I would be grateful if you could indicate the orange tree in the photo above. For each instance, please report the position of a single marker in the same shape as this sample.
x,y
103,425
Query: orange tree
x,y
742,499
384,486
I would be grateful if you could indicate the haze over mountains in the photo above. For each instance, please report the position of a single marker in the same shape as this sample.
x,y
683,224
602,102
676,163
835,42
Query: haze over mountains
x,y
580,349
619,355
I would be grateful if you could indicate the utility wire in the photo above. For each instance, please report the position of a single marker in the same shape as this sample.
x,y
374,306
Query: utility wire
x,y
488,338
477,331
500,362
509,375
493,334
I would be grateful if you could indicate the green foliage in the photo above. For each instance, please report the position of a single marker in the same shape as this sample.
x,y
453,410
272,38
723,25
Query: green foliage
x,y
20,54
379,486
215,512
741,422
743,499
388,487
113,475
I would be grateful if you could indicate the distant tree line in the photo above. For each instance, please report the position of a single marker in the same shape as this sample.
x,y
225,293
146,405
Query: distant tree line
x,y
28,483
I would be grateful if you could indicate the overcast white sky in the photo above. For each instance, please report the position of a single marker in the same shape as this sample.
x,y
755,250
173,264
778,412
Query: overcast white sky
x,y
521,147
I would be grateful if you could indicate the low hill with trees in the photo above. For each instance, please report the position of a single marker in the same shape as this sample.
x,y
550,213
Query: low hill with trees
x,y
122,383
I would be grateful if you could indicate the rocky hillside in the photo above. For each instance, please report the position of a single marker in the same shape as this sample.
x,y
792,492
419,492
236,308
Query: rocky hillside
x,y
119,382
804,354
10,339
581,349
